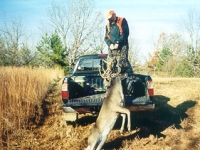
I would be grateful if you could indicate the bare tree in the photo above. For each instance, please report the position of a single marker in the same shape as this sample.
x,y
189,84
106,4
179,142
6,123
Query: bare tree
x,y
191,27
133,54
153,60
61,20
78,25
11,33
98,44
14,49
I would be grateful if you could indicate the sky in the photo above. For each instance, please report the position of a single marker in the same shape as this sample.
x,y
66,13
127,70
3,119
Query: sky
x,y
146,18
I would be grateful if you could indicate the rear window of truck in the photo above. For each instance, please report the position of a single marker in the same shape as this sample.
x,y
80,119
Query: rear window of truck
x,y
89,64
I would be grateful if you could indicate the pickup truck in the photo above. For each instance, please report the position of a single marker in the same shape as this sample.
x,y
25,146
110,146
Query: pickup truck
x,y
83,90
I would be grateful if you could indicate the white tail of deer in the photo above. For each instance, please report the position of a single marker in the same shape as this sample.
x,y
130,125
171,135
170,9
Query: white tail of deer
x,y
111,108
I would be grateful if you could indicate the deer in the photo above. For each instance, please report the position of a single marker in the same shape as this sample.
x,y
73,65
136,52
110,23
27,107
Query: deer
x,y
111,108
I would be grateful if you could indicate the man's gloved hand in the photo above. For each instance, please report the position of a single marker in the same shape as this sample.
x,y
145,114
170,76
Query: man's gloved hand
x,y
111,46
116,46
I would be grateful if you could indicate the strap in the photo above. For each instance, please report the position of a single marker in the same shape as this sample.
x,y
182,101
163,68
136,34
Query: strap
x,y
119,24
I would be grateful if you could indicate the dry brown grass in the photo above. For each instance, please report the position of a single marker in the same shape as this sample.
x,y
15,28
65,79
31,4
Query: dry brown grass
x,y
22,94
174,124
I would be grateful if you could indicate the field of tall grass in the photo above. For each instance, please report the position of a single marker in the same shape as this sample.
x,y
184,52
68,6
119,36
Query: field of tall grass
x,y
22,95
31,115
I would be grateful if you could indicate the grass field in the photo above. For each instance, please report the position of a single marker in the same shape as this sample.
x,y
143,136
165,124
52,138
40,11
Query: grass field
x,y
25,124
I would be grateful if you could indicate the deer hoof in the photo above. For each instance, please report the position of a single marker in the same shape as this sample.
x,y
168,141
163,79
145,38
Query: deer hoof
x,y
121,132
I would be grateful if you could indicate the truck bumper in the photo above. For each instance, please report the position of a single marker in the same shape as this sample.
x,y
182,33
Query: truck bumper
x,y
89,109
93,105
69,114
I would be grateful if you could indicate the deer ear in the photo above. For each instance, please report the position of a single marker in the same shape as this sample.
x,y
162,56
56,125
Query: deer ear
x,y
123,76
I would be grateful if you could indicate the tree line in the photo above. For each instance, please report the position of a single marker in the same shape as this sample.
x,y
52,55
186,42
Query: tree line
x,y
178,54
76,28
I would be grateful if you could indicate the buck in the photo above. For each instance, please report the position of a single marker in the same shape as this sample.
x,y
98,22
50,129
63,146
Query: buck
x,y
111,108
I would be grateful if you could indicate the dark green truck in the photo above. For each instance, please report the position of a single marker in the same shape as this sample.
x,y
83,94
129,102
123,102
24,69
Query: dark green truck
x,y
83,91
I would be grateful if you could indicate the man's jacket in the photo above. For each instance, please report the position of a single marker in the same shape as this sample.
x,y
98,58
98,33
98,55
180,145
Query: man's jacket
x,y
117,32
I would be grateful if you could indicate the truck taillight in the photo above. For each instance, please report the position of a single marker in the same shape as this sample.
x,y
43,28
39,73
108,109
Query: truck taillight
x,y
150,88
102,55
65,92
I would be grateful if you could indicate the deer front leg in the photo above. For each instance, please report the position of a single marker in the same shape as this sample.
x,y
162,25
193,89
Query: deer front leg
x,y
123,110
123,122
127,112
129,120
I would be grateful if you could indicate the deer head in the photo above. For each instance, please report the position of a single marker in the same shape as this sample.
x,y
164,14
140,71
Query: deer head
x,y
109,74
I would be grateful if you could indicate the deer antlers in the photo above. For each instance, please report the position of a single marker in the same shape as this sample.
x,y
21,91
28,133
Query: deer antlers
x,y
109,73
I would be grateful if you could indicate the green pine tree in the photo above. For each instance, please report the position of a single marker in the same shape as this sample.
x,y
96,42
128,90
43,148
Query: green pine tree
x,y
52,52
164,57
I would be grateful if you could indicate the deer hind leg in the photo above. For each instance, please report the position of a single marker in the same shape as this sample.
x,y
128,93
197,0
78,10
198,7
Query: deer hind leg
x,y
94,138
100,145
92,145
106,131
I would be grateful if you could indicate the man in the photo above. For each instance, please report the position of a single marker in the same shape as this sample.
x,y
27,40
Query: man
x,y
117,32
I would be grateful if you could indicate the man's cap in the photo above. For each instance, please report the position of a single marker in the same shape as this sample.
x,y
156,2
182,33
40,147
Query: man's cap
x,y
109,14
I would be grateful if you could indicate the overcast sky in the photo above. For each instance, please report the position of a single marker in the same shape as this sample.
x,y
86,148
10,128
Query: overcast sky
x,y
146,18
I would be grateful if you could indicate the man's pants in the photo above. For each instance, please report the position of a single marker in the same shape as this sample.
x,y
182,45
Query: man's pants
x,y
121,56
122,61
